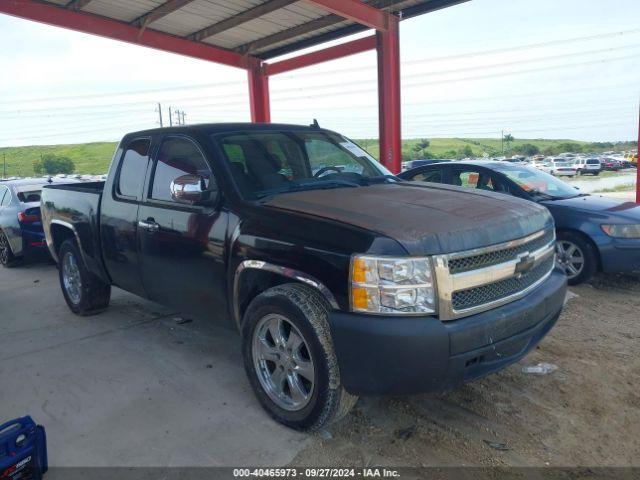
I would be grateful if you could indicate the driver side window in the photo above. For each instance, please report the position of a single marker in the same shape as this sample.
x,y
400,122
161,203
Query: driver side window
x,y
178,156
324,154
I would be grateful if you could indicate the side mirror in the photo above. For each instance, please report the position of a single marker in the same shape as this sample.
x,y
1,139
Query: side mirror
x,y
189,189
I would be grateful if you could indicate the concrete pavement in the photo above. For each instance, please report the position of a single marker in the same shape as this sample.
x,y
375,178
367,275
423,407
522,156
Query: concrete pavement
x,y
130,386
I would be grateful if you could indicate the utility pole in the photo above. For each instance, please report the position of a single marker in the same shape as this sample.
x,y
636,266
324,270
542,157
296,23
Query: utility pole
x,y
177,112
502,140
160,114
170,118
183,115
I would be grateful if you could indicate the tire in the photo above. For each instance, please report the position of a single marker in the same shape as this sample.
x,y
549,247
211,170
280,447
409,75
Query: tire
x,y
595,174
84,292
294,310
7,258
572,247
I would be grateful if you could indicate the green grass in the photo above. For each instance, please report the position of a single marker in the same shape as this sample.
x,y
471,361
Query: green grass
x,y
88,157
629,187
451,147
95,157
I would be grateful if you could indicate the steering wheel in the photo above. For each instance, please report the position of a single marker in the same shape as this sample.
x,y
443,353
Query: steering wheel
x,y
326,169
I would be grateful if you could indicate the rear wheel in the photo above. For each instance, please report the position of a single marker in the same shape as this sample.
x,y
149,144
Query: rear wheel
x,y
84,292
289,358
576,256
7,258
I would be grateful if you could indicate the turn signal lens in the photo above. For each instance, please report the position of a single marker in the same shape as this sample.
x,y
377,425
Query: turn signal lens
x,y
25,218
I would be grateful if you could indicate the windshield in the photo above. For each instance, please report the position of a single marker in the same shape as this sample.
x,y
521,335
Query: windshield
x,y
537,183
29,194
268,163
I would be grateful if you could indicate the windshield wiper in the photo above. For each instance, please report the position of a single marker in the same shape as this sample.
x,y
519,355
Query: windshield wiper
x,y
302,187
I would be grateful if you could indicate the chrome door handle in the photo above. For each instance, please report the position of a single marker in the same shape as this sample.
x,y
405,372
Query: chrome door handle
x,y
149,226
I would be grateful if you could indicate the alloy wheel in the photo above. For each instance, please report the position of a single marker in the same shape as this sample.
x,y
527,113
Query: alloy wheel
x,y
283,362
570,257
71,278
4,249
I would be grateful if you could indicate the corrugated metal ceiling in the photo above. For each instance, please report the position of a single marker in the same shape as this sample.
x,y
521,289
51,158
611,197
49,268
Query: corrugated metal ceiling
x,y
265,28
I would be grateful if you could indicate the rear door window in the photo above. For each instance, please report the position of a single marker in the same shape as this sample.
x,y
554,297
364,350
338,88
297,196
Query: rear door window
x,y
132,169
435,176
479,179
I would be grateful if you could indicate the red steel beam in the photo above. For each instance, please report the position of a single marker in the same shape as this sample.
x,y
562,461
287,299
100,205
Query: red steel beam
x,y
356,11
389,96
104,27
325,55
259,92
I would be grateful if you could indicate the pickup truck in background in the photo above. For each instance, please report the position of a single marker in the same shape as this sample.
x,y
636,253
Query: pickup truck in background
x,y
342,279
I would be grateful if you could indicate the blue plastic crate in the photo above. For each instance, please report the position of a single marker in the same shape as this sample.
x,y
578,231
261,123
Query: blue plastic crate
x,y
23,450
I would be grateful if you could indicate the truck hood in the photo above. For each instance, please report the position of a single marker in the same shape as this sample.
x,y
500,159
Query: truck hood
x,y
426,219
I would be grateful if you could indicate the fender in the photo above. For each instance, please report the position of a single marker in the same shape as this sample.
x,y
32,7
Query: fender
x,y
51,245
279,270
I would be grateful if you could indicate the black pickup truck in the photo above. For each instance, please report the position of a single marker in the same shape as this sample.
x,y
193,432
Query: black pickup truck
x,y
342,279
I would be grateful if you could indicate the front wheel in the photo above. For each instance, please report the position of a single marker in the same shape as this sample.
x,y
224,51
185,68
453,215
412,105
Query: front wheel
x,y
290,360
576,256
84,292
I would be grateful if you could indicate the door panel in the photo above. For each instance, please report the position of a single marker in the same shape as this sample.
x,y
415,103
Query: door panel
x,y
181,245
119,216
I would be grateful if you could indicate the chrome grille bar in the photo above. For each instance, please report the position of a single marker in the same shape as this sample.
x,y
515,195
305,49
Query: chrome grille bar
x,y
519,261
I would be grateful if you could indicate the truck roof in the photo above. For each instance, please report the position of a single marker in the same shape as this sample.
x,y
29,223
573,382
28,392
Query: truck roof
x,y
227,127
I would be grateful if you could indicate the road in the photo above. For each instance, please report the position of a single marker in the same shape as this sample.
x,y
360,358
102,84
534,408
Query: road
x,y
131,386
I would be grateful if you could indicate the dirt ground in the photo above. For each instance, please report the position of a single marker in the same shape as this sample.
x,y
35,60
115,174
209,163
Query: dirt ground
x,y
587,412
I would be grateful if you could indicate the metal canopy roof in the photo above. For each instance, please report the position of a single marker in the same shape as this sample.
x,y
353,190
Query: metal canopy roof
x,y
245,33
261,28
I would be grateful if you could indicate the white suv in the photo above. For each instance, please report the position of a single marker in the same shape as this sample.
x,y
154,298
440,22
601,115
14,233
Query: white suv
x,y
588,165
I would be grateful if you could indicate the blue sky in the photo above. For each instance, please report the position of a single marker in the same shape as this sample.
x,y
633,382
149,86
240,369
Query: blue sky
x,y
536,69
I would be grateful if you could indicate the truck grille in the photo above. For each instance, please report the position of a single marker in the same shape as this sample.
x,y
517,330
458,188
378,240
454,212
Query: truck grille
x,y
478,280
474,262
474,297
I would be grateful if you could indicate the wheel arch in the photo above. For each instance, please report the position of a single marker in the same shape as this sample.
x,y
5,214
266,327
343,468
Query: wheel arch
x,y
585,237
253,277
61,232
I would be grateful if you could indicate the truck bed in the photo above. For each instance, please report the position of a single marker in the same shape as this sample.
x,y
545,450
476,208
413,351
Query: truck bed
x,y
76,208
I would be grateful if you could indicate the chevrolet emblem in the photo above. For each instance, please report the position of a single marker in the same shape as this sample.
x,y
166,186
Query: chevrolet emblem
x,y
525,263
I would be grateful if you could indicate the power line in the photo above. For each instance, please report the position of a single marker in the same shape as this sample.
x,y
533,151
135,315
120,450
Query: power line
x,y
410,62
373,87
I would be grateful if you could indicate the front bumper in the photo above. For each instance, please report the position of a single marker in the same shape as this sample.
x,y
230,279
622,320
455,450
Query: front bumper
x,y
620,255
396,355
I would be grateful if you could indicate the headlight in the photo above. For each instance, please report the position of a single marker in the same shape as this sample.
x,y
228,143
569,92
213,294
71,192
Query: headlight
x,y
392,285
622,231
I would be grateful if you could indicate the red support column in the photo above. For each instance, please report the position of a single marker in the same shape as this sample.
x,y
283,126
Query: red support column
x,y
638,163
258,92
389,96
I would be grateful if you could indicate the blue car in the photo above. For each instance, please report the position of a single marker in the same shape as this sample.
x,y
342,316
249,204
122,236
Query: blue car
x,y
21,231
593,233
